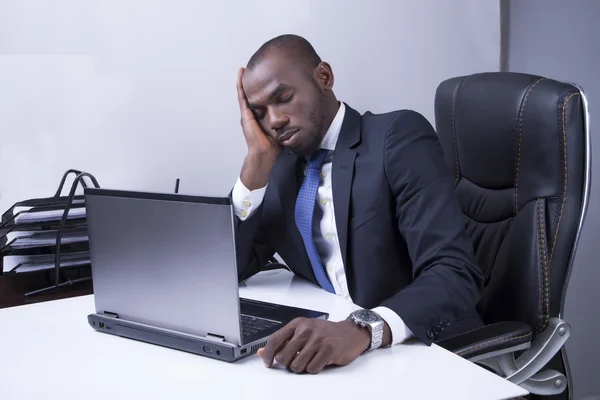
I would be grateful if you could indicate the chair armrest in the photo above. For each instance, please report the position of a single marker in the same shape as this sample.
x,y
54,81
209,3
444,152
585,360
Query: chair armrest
x,y
508,349
489,340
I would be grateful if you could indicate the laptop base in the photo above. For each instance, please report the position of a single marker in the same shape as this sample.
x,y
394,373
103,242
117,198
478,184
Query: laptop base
x,y
205,346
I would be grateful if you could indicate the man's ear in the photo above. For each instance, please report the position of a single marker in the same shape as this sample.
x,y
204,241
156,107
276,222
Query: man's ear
x,y
323,75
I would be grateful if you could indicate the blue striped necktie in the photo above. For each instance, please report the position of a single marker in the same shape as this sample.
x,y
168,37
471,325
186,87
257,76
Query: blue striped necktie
x,y
305,208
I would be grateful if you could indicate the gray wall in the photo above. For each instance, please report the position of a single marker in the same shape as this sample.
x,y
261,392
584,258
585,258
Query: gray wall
x,y
140,92
561,39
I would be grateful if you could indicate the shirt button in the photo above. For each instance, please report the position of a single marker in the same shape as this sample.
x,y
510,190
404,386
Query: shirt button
x,y
323,175
244,214
247,203
329,236
323,202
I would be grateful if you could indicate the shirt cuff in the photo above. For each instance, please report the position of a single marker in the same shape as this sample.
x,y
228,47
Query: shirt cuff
x,y
400,332
245,202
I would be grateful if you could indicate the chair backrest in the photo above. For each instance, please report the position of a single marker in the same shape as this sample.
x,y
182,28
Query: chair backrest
x,y
518,147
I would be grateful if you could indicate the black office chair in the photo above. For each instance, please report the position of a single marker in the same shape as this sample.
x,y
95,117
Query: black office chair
x,y
519,148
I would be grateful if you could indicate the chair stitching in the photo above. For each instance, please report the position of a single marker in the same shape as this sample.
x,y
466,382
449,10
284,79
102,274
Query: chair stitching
x,y
462,333
521,113
543,256
454,138
491,341
562,206
564,196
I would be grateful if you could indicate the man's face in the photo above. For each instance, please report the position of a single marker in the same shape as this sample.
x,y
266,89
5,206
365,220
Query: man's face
x,y
287,103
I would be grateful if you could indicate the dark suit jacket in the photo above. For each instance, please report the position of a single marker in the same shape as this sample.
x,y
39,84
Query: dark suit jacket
x,y
399,223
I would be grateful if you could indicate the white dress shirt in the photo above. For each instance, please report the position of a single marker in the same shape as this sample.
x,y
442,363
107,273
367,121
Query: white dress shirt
x,y
245,202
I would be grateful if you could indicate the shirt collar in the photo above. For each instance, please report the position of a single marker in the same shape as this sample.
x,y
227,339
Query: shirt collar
x,y
331,136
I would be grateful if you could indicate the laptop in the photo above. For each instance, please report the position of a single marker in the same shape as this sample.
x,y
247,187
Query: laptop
x,y
164,272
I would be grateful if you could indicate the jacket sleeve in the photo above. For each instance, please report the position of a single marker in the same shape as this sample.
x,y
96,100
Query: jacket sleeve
x,y
252,247
446,279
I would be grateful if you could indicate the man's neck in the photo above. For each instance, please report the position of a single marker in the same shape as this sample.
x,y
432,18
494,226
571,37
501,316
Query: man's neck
x,y
332,108
332,134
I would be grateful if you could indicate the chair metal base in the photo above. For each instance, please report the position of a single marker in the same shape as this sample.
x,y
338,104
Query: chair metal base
x,y
526,369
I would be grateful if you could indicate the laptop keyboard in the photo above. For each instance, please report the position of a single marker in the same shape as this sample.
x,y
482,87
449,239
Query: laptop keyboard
x,y
252,325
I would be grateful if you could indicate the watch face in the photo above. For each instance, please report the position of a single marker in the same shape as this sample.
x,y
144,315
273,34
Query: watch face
x,y
367,316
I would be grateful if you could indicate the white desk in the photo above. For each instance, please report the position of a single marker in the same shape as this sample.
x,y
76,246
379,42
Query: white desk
x,y
48,351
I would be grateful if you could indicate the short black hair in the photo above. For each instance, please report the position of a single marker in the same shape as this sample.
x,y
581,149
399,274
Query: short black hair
x,y
295,48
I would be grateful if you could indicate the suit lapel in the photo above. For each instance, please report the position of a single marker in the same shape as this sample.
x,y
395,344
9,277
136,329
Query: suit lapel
x,y
342,174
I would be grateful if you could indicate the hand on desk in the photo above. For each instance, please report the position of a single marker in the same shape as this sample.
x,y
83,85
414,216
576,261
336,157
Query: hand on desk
x,y
309,345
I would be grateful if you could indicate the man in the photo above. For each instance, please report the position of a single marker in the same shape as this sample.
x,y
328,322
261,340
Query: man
x,y
361,205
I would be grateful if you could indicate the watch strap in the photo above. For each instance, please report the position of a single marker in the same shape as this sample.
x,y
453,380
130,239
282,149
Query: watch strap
x,y
375,330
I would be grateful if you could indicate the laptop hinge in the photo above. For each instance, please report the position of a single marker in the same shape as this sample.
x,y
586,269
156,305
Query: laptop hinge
x,y
111,314
216,338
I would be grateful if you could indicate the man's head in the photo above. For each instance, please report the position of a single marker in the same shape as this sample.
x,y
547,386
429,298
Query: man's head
x,y
288,89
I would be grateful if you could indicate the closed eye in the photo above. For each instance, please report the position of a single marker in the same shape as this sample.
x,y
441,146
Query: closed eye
x,y
258,114
286,99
